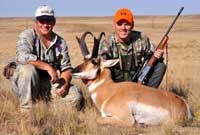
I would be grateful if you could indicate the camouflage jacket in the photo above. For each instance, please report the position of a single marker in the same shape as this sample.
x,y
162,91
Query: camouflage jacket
x,y
30,48
131,54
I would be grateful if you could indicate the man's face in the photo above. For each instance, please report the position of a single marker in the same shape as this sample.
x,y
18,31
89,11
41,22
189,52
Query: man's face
x,y
123,29
45,26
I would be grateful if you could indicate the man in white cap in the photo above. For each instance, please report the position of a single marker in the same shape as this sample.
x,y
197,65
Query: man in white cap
x,y
43,65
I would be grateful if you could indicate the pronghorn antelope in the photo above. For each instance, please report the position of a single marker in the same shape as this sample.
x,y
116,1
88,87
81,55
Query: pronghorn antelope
x,y
126,103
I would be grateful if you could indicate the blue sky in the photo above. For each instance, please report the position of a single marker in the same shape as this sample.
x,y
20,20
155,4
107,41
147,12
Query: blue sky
x,y
26,8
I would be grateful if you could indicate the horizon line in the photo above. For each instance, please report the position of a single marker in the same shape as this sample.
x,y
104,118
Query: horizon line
x,y
97,16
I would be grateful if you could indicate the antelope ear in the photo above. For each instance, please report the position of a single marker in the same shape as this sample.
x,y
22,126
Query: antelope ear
x,y
109,63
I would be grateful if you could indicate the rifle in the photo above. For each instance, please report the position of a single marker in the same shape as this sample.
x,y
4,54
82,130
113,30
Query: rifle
x,y
144,70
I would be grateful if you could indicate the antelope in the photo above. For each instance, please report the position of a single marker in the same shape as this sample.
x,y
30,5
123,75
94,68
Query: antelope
x,y
126,103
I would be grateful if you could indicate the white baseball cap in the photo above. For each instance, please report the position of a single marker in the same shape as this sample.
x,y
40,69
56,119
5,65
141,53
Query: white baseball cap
x,y
44,12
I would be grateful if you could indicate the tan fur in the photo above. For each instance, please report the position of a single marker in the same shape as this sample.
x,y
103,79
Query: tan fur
x,y
118,94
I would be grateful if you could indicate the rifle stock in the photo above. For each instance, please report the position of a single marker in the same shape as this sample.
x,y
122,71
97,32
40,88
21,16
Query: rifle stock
x,y
145,70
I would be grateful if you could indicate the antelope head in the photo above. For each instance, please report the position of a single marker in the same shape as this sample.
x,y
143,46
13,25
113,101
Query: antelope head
x,y
92,64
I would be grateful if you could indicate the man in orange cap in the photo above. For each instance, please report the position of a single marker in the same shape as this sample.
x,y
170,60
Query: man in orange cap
x,y
132,47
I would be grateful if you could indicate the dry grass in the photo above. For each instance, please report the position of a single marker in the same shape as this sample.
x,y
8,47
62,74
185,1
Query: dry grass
x,y
55,119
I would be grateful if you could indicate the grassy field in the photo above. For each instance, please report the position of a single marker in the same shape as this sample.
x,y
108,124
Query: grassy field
x,y
55,119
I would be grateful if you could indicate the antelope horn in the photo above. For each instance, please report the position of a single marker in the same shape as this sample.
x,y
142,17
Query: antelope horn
x,y
96,45
82,43
101,35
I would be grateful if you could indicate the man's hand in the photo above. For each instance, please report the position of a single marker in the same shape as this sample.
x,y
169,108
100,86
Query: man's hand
x,y
158,53
53,74
45,66
64,82
62,90
60,87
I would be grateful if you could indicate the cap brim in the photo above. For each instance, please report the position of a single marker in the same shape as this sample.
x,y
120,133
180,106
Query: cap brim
x,y
45,17
123,19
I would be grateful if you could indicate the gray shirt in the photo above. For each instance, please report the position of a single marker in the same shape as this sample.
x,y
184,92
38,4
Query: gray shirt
x,y
31,48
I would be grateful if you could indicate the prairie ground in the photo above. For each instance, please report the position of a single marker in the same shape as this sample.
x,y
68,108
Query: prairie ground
x,y
182,75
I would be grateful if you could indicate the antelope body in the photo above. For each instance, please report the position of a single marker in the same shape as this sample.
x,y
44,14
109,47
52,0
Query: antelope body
x,y
127,103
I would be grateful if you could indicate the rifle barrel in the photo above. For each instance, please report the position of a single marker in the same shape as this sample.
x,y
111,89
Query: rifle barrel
x,y
172,24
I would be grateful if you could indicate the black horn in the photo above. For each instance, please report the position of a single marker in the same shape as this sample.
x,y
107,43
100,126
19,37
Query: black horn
x,y
96,45
82,43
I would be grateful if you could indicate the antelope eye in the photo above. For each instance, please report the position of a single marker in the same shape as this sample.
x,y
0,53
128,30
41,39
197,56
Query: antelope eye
x,y
94,62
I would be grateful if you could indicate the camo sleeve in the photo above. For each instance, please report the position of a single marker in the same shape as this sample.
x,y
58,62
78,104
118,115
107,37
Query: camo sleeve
x,y
105,48
145,47
24,47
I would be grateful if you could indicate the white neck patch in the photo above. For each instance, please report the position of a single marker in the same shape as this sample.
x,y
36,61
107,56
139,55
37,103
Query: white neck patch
x,y
93,96
94,85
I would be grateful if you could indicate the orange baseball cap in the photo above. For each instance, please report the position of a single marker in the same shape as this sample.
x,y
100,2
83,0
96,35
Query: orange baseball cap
x,y
125,14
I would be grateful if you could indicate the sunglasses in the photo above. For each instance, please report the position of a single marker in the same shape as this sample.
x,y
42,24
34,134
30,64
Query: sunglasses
x,y
46,21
